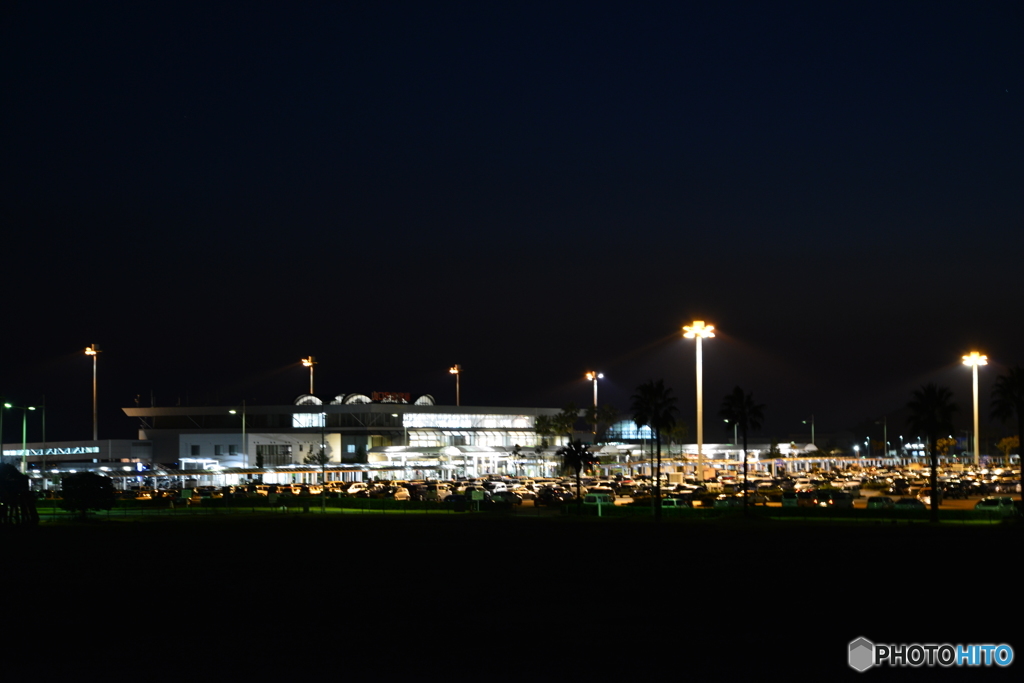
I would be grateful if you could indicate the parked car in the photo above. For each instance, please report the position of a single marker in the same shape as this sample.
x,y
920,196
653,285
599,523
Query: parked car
x,y
880,503
907,503
806,498
1002,505
550,496
506,496
599,499
925,496
833,498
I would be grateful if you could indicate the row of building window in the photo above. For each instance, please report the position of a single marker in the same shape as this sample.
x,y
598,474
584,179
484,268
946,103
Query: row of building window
x,y
217,450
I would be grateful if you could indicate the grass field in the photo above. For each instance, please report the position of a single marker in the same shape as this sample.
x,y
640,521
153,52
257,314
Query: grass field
x,y
621,593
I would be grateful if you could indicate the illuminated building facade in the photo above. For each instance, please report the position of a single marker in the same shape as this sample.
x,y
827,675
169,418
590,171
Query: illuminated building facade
x,y
419,438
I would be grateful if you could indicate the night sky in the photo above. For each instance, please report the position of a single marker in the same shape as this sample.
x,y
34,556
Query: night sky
x,y
531,190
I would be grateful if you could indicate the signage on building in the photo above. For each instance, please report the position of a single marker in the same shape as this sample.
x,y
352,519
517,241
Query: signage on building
x,y
390,397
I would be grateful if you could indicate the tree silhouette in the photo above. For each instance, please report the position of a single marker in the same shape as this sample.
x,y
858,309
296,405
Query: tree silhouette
x,y
17,504
545,427
931,413
575,457
84,491
739,409
565,421
1008,402
654,406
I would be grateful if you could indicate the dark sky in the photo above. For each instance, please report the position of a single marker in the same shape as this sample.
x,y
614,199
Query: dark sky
x,y
529,190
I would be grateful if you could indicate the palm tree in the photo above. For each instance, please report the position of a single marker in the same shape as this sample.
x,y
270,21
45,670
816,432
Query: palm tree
x,y
575,457
565,421
1008,401
739,410
654,406
931,413
545,427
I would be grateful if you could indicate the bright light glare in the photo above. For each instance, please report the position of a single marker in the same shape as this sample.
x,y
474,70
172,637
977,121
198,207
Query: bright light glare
x,y
975,358
698,329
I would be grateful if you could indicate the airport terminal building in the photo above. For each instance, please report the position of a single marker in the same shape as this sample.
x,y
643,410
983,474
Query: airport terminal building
x,y
360,437
386,433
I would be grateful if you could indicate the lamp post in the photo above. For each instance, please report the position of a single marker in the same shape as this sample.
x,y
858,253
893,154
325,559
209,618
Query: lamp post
x,y
245,444
811,422
94,350
593,377
699,331
974,359
309,362
457,371
24,433
735,432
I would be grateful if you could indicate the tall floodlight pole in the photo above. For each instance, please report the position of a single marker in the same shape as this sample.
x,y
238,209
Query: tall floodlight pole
x,y
974,359
457,371
94,350
24,433
593,377
699,331
245,449
309,362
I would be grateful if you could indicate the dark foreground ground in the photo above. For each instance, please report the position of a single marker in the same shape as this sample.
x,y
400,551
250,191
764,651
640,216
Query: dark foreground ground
x,y
474,597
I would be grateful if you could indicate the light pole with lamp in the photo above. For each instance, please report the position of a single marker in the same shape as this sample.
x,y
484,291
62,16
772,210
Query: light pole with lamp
x,y
24,433
457,371
245,443
593,377
811,422
94,350
699,331
735,431
974,359
309,362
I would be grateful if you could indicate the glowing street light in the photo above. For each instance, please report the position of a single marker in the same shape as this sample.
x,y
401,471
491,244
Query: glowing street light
x,y
24,432
309,362
457,371
94,350
699,331
974,359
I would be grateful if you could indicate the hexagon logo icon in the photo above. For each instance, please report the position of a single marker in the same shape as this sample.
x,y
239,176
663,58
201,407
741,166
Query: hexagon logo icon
x,y
862,654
